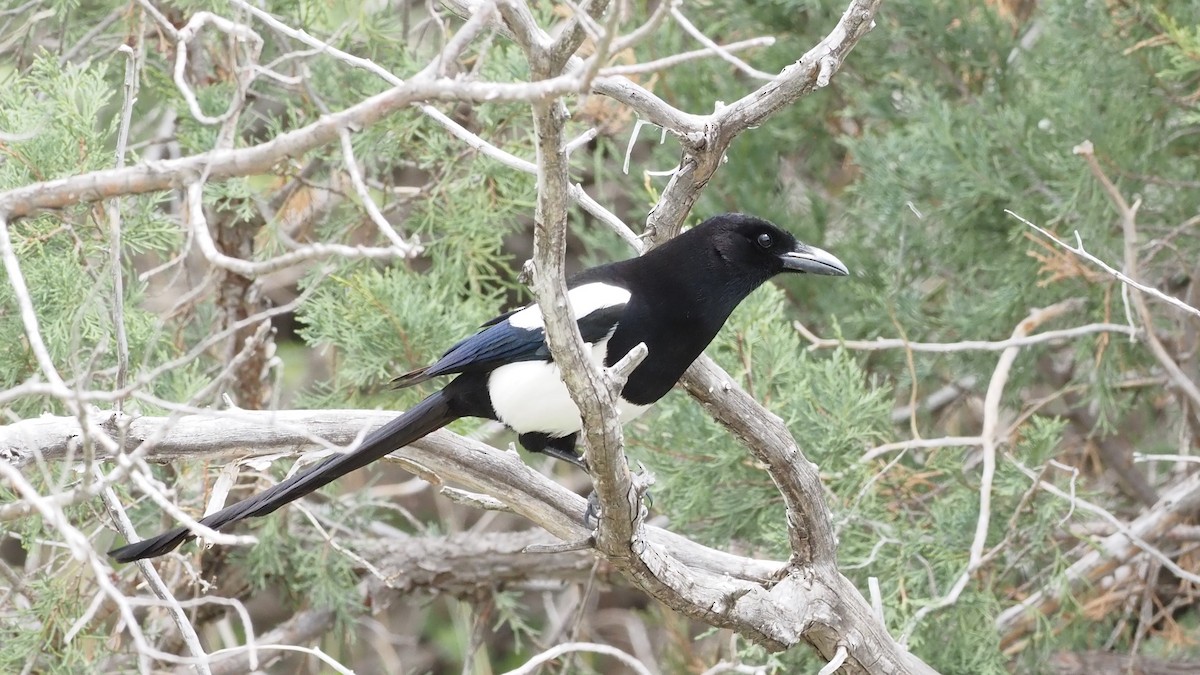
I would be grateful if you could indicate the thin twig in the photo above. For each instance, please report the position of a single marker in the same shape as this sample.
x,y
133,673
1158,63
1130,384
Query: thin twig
x,y
684,57
301,628
113,504
198,225
720,51
244,76
557,651
133,66
1082,253
921,443
991,440
1128,215
880,344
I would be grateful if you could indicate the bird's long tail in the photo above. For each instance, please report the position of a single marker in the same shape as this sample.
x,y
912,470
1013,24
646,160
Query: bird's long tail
x,y
426,417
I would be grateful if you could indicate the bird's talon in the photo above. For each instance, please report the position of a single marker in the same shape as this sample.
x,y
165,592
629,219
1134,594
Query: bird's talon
x,y
591,515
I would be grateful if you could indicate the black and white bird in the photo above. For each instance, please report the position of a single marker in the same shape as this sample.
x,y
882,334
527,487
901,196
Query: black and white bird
x,y
674,299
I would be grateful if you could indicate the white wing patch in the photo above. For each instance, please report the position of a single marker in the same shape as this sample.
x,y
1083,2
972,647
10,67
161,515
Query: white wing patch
x,y
584,300
530,396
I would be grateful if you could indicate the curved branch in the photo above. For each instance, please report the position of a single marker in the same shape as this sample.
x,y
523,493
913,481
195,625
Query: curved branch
x,y
261,158
705,146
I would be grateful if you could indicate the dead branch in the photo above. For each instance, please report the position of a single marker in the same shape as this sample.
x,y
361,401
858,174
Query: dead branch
x,y
465,563
1177,503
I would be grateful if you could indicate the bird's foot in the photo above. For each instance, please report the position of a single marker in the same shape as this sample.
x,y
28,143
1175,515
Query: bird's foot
x,y
642,480
591,515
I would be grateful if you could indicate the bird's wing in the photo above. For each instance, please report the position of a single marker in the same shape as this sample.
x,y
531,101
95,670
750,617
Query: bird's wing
x,y
521,336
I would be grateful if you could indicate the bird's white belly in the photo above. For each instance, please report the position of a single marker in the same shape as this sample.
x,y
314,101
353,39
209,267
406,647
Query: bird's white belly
x,y
530,396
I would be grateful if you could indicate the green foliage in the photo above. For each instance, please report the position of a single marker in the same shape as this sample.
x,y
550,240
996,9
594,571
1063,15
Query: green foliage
x,y
380,320
65,257
1182,50
58,602
511,615
58,108
313,574
706,479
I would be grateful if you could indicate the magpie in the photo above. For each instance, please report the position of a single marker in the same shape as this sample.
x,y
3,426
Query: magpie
x,y
674,299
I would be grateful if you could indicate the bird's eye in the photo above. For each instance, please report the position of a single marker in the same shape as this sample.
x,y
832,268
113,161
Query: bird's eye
x,y
765,241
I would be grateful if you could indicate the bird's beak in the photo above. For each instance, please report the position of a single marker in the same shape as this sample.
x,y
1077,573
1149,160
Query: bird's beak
x,y
813,260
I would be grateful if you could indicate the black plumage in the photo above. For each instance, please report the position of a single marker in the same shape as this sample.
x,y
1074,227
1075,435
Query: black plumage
x,y
674,299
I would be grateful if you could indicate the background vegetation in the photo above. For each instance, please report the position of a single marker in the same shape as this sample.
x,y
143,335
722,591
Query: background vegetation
x,y
948,114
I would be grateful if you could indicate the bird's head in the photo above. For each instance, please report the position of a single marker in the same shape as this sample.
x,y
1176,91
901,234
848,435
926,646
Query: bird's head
x,y
755,244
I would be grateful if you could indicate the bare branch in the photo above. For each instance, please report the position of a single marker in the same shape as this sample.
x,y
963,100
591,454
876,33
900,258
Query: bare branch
x,y
231,435
117,512
921,443
473,499
991,438
836,662
466,563
720,51
133,66
1177,503
880,344
684,57
1082,253
557,651
16,279
1128,215
646,30
301,628
597,401
574,32
705,143
223,164
237,31
810,529
198,224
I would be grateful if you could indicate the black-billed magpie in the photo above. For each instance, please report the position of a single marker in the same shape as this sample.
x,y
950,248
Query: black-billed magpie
x,y
674,299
